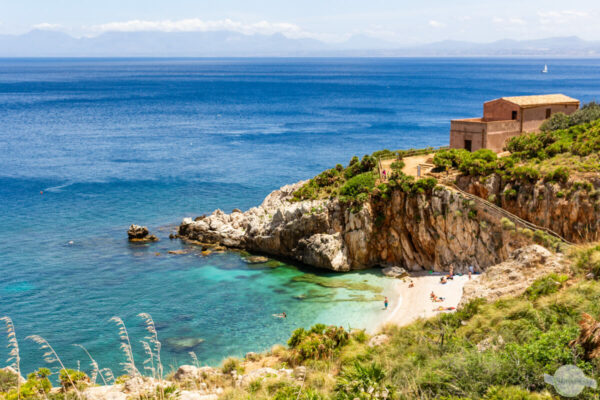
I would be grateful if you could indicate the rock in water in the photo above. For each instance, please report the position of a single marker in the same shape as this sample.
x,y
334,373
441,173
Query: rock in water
x,y
256,260
395,272
138,233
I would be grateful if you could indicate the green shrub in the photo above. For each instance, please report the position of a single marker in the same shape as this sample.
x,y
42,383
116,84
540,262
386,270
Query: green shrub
x,y
545,286
513,393
360,335
555,122
70,377
8,380
525,173
231,364
424,185
510,193
362,183
320,342
363,382
507,224
560,174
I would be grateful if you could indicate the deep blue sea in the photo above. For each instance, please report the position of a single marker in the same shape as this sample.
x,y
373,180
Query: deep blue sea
x,y
112,142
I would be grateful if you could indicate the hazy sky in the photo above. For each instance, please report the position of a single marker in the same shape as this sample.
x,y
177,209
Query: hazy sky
x,y
400,21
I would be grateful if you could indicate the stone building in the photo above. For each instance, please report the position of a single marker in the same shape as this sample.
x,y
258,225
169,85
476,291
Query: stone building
x,y
507,117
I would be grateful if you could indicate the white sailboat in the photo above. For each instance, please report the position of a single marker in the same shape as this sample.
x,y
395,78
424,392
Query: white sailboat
x,y
545,70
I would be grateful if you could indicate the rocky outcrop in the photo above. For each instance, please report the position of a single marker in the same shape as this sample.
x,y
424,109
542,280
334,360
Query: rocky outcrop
x,y
513,276
13,371
414,231
137,233
569,209
394,272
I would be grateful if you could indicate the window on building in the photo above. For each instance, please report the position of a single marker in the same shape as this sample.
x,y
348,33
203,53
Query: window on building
x,y
548,112
514,115
468,145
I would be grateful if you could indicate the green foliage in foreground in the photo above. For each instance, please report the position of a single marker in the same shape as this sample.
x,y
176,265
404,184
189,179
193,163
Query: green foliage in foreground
x,y
318,343
489,351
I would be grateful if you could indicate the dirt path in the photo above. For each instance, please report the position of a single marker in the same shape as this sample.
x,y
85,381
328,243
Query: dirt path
x,y
410,164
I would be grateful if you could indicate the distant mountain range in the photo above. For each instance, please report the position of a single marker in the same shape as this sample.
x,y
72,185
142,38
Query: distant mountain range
x,y
43,43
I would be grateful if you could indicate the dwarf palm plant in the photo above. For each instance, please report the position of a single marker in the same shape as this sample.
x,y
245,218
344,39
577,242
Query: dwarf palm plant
x,y
50,357
589,337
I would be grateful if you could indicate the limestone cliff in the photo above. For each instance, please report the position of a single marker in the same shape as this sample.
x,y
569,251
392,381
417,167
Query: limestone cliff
x,y
569,209
416,231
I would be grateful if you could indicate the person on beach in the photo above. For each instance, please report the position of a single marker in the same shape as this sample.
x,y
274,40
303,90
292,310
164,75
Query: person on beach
x,y
469,274
385,303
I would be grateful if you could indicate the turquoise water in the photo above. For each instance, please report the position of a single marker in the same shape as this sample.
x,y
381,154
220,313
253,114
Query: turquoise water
x,y
114,142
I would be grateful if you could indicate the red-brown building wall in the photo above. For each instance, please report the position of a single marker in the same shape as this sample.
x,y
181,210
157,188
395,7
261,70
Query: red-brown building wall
x,y
499,110
534,117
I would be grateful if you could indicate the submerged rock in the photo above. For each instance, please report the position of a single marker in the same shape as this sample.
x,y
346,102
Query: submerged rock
x,y
183,343
394,272
178,252
255,259
137,233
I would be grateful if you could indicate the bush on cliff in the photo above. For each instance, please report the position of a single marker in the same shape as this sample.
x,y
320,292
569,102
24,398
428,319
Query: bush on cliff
x,y
560,174
358,184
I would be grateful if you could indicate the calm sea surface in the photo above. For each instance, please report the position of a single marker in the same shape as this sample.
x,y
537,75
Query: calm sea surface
x,y
113,142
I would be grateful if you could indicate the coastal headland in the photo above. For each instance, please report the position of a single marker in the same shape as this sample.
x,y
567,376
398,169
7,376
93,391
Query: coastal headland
x,y
497,280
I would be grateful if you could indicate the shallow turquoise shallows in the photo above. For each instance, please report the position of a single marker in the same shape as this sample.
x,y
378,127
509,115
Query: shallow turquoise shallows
x,y
114,142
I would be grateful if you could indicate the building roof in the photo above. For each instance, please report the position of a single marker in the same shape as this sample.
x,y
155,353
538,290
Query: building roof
x,y
541,100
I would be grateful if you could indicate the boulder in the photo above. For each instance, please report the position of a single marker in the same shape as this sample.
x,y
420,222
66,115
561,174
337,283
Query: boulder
x,y
191,372
11,370
395,272
140,233
196,395
264,373
112,392
300,373
378,340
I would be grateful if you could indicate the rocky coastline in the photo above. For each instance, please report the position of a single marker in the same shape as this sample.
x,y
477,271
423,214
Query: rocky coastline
x,y
429,231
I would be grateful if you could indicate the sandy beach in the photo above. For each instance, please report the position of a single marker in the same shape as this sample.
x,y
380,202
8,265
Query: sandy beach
x,y
412,303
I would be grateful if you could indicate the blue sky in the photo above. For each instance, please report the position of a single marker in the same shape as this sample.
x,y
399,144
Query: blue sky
x,y
399,21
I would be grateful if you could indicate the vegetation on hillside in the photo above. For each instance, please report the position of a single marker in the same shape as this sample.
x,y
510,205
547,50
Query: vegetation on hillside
x,y
588,113
552,155
357,182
